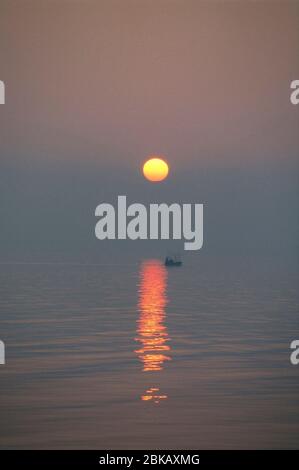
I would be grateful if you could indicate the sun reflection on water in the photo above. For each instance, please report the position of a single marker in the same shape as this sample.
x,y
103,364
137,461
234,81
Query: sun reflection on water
x,y
152,332
153,394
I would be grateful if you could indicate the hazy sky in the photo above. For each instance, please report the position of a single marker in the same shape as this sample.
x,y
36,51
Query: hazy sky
x,y
93,87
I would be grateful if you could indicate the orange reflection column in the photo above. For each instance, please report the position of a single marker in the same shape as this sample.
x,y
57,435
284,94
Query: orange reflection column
x,y
151,330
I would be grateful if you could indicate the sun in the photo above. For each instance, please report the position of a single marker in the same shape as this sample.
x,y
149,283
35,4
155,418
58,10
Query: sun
x,y
155,169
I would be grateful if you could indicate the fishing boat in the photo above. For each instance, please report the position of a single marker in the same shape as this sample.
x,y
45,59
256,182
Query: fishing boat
x,y
173,260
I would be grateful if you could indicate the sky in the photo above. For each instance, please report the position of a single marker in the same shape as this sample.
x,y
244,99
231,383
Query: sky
x,y
94,87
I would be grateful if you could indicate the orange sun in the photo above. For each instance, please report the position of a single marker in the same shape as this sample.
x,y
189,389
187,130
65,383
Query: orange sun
x,y
155,169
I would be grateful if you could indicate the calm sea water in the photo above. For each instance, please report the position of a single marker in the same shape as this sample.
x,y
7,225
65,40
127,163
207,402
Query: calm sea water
x,y
140,356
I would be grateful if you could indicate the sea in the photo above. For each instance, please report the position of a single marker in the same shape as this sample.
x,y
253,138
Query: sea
x,y
135,355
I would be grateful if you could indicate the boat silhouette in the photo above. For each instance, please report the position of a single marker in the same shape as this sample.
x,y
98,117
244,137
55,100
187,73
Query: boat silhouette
x,y
173,260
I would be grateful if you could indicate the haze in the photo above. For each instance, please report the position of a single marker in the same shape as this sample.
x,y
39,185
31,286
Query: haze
x,y
94,87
